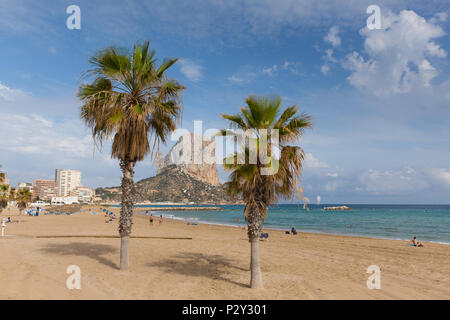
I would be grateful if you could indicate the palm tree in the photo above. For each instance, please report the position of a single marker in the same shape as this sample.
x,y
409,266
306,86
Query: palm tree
x,y
248,180
133,100
4,196
23,199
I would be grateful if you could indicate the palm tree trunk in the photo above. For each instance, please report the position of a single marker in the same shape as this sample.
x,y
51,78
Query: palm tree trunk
x,y
255,268
20,216
255,218
126,211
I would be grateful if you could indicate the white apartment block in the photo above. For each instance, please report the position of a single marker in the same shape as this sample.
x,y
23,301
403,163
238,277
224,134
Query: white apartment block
x,y
67,181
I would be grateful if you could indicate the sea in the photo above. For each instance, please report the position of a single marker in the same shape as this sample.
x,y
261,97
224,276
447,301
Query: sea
x,y
400,222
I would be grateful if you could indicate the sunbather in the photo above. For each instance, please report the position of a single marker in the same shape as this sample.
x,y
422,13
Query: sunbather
x,y
416,242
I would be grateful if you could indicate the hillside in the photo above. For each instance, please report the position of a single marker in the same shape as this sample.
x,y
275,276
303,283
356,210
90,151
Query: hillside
x,y
173,184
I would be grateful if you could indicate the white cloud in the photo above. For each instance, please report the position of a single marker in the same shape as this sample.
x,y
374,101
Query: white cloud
x,y
441,174
190,69
329,59
333,175
398,57
439,17
313,162
243,76
271,70
9,94
325,69
393,182
332,37
236,80
34,134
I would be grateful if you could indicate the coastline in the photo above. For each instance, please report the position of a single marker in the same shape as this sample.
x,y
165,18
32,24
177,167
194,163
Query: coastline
x,y
172,214
212,265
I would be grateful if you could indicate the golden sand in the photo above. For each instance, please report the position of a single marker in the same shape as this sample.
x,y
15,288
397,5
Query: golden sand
x,y
214,264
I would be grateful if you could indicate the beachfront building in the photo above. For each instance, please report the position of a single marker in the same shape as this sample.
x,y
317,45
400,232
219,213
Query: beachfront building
x,y
84,194
64,200
25,185
44,189
67,181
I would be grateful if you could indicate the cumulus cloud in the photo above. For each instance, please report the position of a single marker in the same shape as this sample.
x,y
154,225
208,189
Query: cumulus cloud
x,y
332,37
398,56
190,69
329,59
286,66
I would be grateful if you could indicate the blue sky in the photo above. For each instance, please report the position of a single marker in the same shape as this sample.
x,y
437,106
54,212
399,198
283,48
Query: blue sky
x,y
380,99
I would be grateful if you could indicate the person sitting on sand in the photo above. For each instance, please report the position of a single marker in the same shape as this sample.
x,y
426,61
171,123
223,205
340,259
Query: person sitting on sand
x,y
264,236
293,231
416,242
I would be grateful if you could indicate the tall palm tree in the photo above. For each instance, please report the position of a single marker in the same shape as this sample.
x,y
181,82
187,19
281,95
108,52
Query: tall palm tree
x,y
132,100
23,199
248,179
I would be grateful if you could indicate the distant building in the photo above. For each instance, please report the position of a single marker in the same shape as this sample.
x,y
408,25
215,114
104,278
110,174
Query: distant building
x,y
67,181
84,194
44,189
64,200
25,185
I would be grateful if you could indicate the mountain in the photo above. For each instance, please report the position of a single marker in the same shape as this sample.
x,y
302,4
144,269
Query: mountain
x,y
179,178
173,184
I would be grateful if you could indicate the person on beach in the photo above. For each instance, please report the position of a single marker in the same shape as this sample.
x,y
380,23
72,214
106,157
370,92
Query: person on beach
x,y
151,219
160,219
416,242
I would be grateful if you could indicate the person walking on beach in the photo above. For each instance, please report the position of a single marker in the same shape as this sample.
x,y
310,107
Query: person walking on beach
x,y
151,219
160,219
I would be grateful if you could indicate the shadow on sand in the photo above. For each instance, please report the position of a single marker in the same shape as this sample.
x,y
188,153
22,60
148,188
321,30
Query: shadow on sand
x,y
93,251
200,265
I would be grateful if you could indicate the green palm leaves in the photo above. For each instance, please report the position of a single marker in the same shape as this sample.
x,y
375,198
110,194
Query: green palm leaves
x,y
131,98
23,198
262,114
4,196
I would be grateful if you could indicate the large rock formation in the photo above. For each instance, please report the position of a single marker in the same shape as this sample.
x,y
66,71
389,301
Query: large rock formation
x,y
181,178
195,155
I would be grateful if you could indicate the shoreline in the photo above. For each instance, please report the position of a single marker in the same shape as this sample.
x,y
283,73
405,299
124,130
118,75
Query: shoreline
x,y
173,217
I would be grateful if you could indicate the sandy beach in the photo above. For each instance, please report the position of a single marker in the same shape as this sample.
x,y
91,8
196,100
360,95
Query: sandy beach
x,y
211,263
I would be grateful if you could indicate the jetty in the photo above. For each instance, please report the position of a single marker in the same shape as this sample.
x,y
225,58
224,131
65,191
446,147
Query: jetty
x,y
180,209
339,208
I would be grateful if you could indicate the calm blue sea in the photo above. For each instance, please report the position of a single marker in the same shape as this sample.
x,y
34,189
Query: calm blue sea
x,y
426,222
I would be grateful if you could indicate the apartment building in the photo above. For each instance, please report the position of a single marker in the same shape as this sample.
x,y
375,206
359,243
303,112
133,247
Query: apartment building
x,y
44,189
67,181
